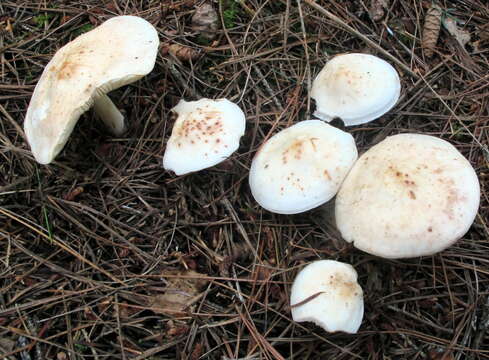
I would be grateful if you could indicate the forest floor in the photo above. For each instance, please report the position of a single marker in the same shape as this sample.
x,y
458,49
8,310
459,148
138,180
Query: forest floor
x,y
91,244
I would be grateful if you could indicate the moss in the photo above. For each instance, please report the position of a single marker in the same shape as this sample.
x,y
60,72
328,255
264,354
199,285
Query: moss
x,y
42,19
229,13
202,40
81,348
82,29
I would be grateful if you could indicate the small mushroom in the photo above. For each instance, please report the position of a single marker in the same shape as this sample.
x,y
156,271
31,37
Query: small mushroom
x,y
357,88
120,51
301,167
205,133
326,293
410,195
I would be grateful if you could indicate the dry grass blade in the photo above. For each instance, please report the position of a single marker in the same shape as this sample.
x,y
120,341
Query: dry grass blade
x,y
306,300
369,42
61,245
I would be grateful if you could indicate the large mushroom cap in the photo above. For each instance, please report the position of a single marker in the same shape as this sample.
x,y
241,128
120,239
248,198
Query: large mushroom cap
x,y
205,133
301,167
357,88
326,293
118,52
410,195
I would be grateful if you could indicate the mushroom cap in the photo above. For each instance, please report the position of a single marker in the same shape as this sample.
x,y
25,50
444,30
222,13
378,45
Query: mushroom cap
x,y
301,167
120,51
338,305
410,195
205,133
357,88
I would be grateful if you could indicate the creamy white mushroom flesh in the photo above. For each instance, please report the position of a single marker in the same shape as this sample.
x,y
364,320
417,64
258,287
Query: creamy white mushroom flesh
x,y
205,133
357,88
326,292
301,167
410,195
109,114
118,52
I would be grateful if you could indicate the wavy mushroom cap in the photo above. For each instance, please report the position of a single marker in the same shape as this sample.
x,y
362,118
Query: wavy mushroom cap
x,y
357,88
205,133
301,167
410,195
326,293
120,51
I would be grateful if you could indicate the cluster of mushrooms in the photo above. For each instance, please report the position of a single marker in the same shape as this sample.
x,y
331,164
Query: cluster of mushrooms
x,y
410,195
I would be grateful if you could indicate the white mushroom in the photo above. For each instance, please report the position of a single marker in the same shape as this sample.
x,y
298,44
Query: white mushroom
x,y
301,167
410,195
326,293
357,88
118,52
205,133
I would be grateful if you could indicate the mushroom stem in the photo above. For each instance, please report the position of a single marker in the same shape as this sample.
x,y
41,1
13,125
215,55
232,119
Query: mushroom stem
x,y
109,114
322,116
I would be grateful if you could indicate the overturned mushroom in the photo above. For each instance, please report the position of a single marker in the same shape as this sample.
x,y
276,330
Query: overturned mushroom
x,y
205,133
118,52
326,293
301,167
357,88
410,195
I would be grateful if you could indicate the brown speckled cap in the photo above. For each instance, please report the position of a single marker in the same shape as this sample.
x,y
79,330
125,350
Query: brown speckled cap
x,y
301,167
410,195
205,133
326,293
355,87
118,52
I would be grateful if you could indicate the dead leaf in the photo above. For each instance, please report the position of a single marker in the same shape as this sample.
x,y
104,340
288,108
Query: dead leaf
x,y
93,15
191,263
103,305
110,7
175,6
262,272
6,25
440,355
431,29
239,251
180,292
197,352
205,21
293,96
126,311
89,314
9,28
123,252
461,35
73,193
175,330
65,19
93,20
29,281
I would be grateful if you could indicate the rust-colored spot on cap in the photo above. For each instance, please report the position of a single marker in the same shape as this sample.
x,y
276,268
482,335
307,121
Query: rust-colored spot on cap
x,y
67,69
